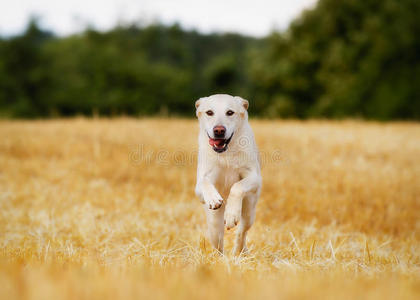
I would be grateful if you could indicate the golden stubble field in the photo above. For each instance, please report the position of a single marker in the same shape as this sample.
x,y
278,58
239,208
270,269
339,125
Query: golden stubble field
x,y
105,209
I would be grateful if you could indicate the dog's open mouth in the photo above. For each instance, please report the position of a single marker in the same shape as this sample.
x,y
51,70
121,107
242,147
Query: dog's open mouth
x,y
219,145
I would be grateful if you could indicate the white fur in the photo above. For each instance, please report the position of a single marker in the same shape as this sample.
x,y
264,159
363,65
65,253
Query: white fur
x,y
228,183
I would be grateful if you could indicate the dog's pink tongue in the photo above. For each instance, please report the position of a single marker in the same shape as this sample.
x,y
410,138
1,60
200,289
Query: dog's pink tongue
x,y
215,142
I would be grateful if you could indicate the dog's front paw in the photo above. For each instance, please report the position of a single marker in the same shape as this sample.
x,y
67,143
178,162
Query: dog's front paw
x,y
213,200
232,217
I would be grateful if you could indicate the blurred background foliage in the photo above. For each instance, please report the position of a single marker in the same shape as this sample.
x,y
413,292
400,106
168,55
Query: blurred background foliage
x,y
349,58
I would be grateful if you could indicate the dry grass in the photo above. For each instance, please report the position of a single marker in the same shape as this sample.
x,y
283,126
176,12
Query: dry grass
x,y
104,209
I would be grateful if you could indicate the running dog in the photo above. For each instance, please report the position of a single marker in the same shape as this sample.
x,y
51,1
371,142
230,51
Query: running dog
x,y
228,171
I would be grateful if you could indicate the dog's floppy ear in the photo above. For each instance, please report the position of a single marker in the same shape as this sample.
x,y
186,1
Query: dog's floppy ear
x,y
197,103
244,102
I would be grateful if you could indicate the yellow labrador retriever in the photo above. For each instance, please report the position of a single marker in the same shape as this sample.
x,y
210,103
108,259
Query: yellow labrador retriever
x,y
228,171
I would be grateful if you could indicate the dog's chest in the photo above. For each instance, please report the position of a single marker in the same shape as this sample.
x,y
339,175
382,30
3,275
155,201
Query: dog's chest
x,y
225,179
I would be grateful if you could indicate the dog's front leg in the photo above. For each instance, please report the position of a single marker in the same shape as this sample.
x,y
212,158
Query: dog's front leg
x,y
212,202
250,183
215,227
208,194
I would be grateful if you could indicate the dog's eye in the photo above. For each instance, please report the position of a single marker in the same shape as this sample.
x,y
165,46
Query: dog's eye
x,y
229,113
209,112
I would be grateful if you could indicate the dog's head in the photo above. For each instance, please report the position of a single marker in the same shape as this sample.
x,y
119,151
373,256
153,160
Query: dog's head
x,y
221,116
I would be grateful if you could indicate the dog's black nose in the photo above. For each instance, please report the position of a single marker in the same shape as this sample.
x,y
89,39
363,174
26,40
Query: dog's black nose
x,y
219,131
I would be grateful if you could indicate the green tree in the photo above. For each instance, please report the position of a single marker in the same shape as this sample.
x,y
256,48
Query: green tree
x,y
345,58
24,76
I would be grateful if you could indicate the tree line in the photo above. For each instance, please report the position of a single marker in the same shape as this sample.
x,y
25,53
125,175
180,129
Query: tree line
x,y
348,58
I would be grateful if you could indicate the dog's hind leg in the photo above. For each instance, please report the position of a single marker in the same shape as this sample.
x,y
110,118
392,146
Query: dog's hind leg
x,y
215,226
247,219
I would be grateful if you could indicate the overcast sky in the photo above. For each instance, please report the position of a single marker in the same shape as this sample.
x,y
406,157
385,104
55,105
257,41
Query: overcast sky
x,y
64,17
